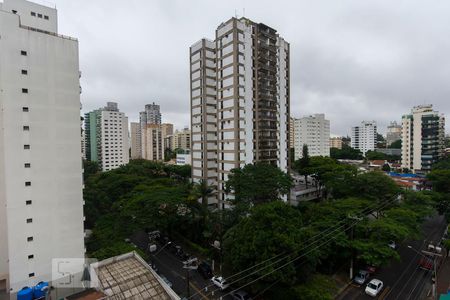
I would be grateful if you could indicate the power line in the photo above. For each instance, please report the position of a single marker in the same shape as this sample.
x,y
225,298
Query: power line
x,y
373,208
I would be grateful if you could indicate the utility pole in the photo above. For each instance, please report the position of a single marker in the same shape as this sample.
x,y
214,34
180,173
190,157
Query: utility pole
x,y
189,265
351,239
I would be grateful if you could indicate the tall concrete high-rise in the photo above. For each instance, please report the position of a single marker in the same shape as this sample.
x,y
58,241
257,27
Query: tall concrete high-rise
x,y
313,131
423,138
150,116
364,137
153,149
336,142
41,201
107,137
239,101
182,139
393,133
135,140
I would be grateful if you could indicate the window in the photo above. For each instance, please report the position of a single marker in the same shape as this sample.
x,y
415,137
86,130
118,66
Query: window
x,y
25,109
27,165
46,17
31,256
23,52
14,11
24,91
26,147
27,183
26,128
29,239
28,202
24,72
29,220
33,14
31,275
40,16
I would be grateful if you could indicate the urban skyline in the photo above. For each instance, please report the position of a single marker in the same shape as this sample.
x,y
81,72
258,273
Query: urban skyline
x,y
365,85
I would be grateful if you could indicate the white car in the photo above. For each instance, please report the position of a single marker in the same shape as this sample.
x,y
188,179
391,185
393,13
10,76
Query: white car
x,y
374,287
392,245
220,282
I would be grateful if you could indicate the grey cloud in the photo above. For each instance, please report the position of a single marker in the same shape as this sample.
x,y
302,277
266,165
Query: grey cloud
x,y
351,60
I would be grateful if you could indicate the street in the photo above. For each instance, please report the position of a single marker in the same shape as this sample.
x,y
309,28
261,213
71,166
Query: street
x,y
403,279
171,267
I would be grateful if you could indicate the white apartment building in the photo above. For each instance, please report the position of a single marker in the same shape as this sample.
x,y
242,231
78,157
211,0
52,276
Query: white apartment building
x,y
107,139
423,138
41,202
135,140
364,137
313,131
239,101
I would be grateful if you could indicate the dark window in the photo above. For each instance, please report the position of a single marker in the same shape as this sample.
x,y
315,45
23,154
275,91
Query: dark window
x,y
31,275
31,256
33,14
23,52
27,165
25,91
26,147
24,72
28,202
29,239
46,17
27,183
30,220
14,11
25,109
26,128
40,16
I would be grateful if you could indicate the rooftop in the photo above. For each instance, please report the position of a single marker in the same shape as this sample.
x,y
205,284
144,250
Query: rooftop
x,y
129,276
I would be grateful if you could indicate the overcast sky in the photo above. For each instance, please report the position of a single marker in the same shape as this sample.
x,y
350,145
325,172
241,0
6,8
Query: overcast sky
x,y
352,60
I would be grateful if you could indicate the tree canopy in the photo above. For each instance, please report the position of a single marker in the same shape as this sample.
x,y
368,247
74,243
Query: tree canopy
x,y
258,183
346,152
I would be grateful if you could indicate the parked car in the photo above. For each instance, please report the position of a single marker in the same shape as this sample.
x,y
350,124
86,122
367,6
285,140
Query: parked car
x,y
361,277
241,295
374,287
426,263
220,282
371,269
392,245
205,270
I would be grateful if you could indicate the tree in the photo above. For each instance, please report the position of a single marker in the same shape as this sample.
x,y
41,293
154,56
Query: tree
x,y
318,287
375,186
258,183
396,145
374,155
443,164
203,191
440,180
346,152
90,168
386,168
301,165
271,229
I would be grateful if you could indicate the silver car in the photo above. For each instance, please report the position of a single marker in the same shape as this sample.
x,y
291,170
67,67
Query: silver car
x,y
361,277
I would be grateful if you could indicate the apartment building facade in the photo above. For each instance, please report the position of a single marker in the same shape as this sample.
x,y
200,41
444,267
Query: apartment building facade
x,y
364,137
239,101
153,149
423,138
41,202
313,131
135,140
182,139
393,133
336,142
107,140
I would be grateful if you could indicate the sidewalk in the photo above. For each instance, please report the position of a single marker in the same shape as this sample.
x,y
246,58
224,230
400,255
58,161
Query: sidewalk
x,y
443,277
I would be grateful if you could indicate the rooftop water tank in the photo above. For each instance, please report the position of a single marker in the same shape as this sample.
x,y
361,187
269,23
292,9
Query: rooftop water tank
x,y
25,293
40,289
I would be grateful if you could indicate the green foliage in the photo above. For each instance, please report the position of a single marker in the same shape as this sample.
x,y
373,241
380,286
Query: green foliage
x,y
116,248
318,287
440,179
90,168
258,183
271,229
396,145
386,168
346,152
374,155
375,186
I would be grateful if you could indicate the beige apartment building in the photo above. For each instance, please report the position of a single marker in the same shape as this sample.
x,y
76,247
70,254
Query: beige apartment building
x,y
239,102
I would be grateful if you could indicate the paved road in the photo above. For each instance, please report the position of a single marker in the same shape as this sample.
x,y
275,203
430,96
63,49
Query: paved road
x,y
170,266
403,279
